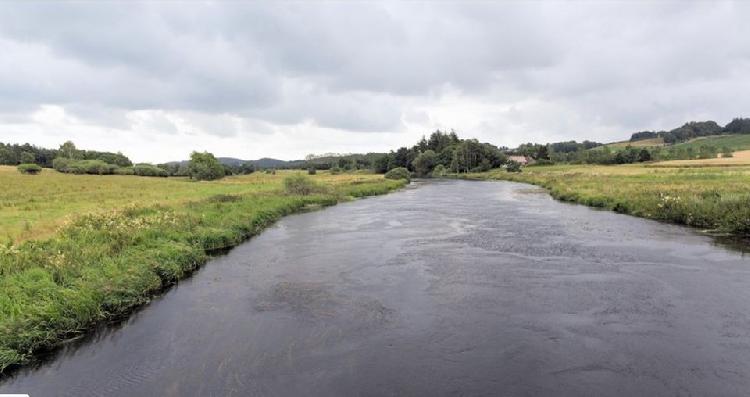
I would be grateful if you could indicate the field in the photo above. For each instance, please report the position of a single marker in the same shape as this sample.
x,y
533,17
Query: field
x,y
733,142
739,158
84,249
641,143
709,197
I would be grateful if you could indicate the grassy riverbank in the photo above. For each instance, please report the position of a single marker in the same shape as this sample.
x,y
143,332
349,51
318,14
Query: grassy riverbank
x,y
136,236
709,197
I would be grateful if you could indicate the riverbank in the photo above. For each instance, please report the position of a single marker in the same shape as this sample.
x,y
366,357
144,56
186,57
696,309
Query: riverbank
x,y
102,265
712,198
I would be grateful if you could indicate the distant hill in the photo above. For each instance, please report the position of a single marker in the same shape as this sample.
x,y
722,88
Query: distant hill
x,y
264,162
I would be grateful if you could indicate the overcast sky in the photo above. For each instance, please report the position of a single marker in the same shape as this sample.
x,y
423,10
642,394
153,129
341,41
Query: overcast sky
x,y
247,80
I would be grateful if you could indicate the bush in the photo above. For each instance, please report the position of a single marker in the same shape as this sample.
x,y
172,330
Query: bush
x,y
513,166
93,167
301,185
335,171
29,169
125,171
398,173
311,171
439,171
149,170
61,164
205,167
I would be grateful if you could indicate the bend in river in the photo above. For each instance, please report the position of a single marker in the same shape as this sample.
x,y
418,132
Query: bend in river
x,y
454,287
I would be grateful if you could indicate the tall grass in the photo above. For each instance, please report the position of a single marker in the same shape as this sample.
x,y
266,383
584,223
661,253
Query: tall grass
x,y
101,265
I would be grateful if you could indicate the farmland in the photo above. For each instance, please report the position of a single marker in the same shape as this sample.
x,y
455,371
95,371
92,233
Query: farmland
x,y
82,249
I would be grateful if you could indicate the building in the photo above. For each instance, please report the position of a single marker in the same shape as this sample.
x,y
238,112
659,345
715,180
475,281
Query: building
x,y
523,160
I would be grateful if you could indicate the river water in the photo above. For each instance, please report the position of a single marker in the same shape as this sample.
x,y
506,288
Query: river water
x,y
444,288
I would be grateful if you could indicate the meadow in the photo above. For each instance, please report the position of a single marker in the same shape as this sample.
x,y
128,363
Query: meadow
x,y
83,249
713,198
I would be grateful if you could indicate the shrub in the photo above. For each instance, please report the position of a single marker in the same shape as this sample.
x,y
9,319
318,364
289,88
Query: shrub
x,y
61,164
298,184
513,166
311,171
125,171
335,171
149,170
439,171
93,167
398,173
29,169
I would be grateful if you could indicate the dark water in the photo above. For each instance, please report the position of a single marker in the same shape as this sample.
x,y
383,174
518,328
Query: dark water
x,y
451,288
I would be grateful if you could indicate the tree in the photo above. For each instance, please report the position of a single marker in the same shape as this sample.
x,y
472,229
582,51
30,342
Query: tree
x,y
644,155
27,158
68,150
247,168
205,167
738,126
383,163
424,163
439,171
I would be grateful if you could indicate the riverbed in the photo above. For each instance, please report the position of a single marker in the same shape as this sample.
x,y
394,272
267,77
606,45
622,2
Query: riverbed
x,y
443,288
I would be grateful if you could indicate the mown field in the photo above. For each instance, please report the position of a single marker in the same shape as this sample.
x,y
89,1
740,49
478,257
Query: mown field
x,y
84,249
733,142
708,197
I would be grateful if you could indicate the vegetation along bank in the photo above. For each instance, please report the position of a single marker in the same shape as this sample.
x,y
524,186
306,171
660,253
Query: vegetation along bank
x,y
712,198
139,236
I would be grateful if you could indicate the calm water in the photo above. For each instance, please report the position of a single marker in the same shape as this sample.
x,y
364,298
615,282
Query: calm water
x,y
446,288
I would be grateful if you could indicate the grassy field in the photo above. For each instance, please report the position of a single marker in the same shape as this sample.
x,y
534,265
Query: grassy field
x,y
641,143
83,249
709,197
739,158
733,142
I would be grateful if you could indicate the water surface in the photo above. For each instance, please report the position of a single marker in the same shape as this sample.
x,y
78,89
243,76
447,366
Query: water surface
x,y
446,288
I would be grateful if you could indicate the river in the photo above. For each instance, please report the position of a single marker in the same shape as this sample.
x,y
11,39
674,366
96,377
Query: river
x,y
443,288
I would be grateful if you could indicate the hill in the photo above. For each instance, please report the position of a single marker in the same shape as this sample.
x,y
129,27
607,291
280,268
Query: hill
x,y
262,163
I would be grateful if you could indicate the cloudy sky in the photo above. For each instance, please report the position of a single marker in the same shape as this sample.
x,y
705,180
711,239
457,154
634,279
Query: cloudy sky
x,y
158,80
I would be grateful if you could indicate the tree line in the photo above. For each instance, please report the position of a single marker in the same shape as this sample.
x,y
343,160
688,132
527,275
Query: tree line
x,y
14,154
695,129
69,159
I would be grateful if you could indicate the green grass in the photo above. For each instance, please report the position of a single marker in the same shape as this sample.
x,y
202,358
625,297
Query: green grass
x,y
123,239
733,142
712,198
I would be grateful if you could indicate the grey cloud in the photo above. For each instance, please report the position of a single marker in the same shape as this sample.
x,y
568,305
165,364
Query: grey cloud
x,y
362,66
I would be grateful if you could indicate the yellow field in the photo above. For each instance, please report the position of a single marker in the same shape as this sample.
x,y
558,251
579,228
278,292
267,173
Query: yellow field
x,y
739,158
34,206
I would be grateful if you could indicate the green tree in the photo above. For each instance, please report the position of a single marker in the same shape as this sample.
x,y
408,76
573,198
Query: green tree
x,y
247,168
644,155
27,158
205,167
439,171
68,150
424,163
